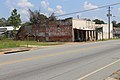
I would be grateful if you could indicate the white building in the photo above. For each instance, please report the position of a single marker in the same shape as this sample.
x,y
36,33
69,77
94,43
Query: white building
x,y
83,30
8,30
83,24
104,33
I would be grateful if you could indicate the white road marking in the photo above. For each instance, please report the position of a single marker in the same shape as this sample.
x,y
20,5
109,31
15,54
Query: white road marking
x,y
98,70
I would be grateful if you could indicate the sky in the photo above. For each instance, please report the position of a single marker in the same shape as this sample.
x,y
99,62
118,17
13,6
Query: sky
x,y
60,7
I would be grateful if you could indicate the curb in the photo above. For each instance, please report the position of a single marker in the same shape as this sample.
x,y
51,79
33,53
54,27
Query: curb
x,y
14,50
9,52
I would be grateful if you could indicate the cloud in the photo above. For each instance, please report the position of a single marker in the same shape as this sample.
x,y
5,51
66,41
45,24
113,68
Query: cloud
x,y
48,10
24,4
88,5
24,12
22,7
44,4
59,10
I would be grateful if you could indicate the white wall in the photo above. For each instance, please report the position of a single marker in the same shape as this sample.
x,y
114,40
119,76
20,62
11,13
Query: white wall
x,y
89,25
83,24
105,31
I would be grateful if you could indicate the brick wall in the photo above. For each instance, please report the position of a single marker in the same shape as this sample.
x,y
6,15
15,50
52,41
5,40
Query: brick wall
x,y
53,32
60,30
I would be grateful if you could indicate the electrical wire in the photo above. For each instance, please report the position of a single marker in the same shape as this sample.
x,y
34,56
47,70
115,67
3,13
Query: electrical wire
x,y
88,10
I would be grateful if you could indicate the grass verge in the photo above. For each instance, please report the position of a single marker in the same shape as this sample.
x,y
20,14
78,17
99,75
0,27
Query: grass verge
x,y
8,43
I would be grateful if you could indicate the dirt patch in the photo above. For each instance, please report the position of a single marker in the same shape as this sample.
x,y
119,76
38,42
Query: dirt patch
x,y
114,76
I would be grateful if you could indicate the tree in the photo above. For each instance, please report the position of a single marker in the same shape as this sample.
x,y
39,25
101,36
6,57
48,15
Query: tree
x,y
114,23
36,19
3,22
118,25
97,21
52,17
26,24
14,19
86,19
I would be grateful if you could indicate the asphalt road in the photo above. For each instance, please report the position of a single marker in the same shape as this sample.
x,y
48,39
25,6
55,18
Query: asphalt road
x,y
89,61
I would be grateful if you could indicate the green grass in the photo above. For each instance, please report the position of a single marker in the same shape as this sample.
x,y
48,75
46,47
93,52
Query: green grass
x,y
8,43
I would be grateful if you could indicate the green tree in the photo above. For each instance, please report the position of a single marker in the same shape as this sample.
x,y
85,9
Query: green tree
x,y
114,23
3,22
14,19
97,21
118,25
86,19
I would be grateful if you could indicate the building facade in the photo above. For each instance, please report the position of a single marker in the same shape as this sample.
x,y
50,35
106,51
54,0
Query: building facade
x,y
8,31
67,30
83,30
103,31
60,30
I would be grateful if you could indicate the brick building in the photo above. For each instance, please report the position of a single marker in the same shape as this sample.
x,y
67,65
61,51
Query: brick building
x,y
61,30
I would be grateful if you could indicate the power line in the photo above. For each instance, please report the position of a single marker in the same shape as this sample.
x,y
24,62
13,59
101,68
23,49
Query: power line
x,y
88,9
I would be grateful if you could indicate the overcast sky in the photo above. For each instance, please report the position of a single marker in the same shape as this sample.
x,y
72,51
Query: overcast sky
x,y
60,7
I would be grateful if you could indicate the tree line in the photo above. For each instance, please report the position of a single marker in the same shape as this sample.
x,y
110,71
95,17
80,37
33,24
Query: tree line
x,y
115,24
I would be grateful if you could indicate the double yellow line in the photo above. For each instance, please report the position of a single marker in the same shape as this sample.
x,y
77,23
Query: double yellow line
x,y
49,55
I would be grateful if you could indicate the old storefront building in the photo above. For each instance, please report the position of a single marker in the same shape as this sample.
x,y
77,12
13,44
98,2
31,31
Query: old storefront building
x,y
66,30
83,30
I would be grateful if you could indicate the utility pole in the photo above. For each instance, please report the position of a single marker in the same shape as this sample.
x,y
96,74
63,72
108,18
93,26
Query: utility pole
x,y
109,15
